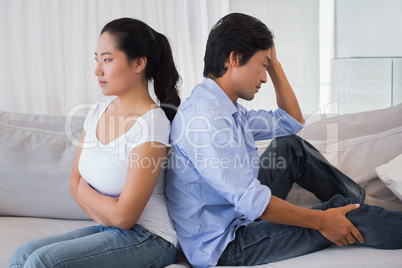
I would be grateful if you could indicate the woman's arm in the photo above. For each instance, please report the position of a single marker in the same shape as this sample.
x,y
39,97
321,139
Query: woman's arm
x,y
75,179
144,167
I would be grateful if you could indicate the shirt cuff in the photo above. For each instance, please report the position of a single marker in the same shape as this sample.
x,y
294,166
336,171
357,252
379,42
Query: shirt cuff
x,y
254,201
288,123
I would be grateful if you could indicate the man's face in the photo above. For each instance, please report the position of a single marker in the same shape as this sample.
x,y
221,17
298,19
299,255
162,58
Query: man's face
x,y
251,75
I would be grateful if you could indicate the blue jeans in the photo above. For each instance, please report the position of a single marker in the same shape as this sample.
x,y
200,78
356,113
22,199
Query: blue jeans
x,y
263,242
97,246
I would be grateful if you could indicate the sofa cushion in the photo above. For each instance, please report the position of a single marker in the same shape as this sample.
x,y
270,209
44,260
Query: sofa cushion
x,y
358,157
16,231
19,230
348,126
391,174
35,165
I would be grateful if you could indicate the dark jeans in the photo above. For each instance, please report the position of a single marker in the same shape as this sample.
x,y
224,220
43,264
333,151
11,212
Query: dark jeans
x,y
297,161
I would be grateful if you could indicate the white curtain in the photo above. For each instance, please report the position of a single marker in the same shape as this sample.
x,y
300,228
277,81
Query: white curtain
x,y
48,46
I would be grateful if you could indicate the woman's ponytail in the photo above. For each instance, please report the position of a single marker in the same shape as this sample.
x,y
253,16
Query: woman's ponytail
x,y
166,78
136,39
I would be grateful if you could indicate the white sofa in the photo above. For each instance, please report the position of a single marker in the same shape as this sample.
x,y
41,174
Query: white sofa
x,y
36,158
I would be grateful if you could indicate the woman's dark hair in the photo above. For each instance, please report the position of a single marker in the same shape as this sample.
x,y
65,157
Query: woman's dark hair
x,y
243,34
136,39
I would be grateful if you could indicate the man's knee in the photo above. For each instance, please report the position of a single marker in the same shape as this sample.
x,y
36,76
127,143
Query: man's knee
x,y
338,201
287,141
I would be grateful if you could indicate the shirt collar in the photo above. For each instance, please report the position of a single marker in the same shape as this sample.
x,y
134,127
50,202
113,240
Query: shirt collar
x,y
217,91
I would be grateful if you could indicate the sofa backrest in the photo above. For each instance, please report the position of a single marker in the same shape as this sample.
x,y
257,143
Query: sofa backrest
x,y
35,166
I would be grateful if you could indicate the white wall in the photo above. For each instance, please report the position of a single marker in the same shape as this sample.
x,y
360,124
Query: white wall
x,y
296,28
368,28
367,66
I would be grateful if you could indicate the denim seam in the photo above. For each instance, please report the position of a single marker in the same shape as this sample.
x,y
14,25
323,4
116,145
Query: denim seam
x,y
275,182
17,262
153,263
105,250
331,179
92,255
287,229
269,237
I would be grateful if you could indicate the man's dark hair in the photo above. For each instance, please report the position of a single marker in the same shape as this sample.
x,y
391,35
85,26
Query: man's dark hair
x,y
243,34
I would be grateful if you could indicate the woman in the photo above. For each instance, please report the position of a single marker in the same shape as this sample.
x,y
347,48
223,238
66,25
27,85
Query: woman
x,y
116,176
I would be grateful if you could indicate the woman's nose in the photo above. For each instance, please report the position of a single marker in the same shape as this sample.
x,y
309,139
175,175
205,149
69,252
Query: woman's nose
x,y
98,70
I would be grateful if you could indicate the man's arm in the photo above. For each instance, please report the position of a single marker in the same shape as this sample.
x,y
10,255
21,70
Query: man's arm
x,y
332,223
285,97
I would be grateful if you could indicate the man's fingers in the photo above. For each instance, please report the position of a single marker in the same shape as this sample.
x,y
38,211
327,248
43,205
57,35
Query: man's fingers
x,y
344,241
351,239
356,233
339,244
350,208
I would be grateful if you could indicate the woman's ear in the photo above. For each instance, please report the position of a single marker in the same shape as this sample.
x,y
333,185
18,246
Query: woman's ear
x,y
139,64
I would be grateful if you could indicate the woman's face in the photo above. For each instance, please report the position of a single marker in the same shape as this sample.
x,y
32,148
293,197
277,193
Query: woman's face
x,y
116,75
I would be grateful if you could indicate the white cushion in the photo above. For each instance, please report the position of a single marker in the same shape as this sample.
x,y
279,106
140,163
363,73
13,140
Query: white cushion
x,y
391,175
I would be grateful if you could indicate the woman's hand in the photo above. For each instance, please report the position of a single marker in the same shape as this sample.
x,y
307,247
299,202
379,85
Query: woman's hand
x,y
83,189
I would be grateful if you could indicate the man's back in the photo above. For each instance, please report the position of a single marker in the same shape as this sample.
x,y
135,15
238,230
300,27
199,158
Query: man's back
x,y
211,183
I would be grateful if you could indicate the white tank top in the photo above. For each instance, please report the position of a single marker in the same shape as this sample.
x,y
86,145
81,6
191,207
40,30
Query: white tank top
x,y
105,167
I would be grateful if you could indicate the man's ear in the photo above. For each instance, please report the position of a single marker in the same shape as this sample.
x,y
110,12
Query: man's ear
x,y
234,59
139,64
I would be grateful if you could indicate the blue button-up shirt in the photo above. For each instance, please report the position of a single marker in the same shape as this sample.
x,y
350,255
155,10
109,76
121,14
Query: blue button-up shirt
x,y
211,182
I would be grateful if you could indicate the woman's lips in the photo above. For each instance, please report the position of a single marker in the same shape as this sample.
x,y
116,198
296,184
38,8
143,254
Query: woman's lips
x,y
102,83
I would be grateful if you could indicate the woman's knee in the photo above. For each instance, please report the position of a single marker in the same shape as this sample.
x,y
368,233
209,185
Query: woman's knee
x,y
35,260
21,254
42,258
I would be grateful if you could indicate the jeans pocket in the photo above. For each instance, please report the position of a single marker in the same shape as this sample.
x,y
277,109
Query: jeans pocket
x,y
167,246
140,233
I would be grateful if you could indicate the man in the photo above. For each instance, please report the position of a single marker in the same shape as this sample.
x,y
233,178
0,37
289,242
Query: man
x,y
228,206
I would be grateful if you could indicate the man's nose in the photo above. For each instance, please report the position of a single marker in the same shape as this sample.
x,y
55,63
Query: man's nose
x,y
264,77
